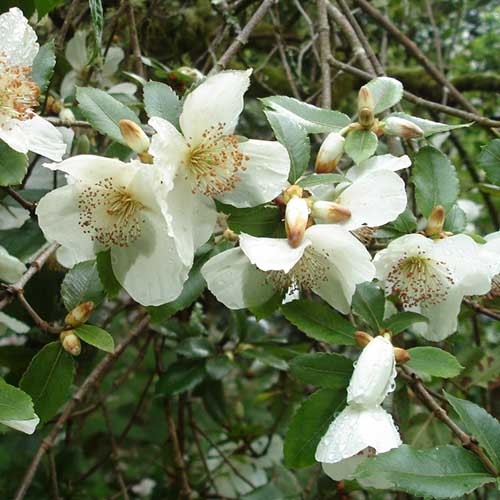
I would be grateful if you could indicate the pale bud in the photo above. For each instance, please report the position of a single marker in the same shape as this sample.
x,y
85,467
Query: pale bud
x,y
296,217
67,116
330,153
292,191
135,137
435,221
373,377
329,212
192,73
70,342
80,314
393,125
362,338
401,355
365,99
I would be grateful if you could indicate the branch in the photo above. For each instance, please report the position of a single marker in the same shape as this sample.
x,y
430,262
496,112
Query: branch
x,y
134,40
481,309
28,205
325,52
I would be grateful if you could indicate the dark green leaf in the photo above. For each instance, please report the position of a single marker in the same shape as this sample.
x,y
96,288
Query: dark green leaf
x,y
43,65
261,221
267,309
24,241
15,404
195,347
402,320
266,356
96,336
360,145
81,284
322,369
97,16
219,366
45,6
161,100
368,303
180,377
434,361
489,160
13,166
106,274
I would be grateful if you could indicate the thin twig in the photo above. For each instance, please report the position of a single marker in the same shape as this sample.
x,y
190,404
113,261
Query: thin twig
x,y
53,475
66,24
28,205
134,40
481,309
325,52
39,322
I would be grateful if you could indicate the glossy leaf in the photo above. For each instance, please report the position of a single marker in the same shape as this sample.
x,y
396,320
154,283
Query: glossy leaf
x,y
434,361
13,165
368,303
489,160
81,284
93,335
322,369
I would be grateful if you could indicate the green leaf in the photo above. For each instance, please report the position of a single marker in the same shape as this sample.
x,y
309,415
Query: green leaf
x,y
104,112
456,220
360,145
428,126
368,303
45,6
489,188
262,221
386,92
442,472
322,369
106,275
319,321
13,166
219,366
97,16
402,320
81,284
43,65
161,100
295,139
478,422
23,242
266,356
489,160
434,361
405,223
48,379
316,179
15,404
308,425
195,347
180,377
96,336
435,180
267,308
312,118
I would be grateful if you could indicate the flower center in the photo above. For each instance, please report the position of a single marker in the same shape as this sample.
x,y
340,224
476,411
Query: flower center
x,y
18,92
417,278
215,162
109,214
307,273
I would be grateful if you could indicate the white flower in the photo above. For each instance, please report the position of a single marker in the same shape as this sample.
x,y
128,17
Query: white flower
x,y
329,261
11,268
491,252
433,276
120,206
20,127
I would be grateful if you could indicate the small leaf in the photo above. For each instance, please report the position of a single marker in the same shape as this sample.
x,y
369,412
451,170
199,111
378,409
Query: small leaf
x,y
322,369
295,139
43,65
316,179
402,320
266,356
309,424
219,366
48,379
267,309
15,404
428,126
93,335
97,16
106,275
368,303
489,160
319,321
434,361
104,112
180,377
435,180
386,92
43,7
81,284
360,145
161,100
13,165
456,220
195,347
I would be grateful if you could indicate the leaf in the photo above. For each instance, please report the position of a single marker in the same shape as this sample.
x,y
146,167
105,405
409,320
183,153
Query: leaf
x,y
13,165
219,366
402,320
435,180
161,100
93,335
104,112
266,356
428,126
267,308
15,404
81,284
386,92
489,160
478,422
97,16
322,369
180,377
456,220
368,303
434,361
319,321
43,65
22,242
405,223
487,369
195,347
106,275
48,379
489,188
360,145
295,139
315,179
308,425
441,472
312,118
43,7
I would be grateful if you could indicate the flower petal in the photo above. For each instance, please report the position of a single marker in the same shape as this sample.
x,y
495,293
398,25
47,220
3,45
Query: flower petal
x,y
376,163
216,102
26,426
12,134
17,38
265,175
76,51
11,268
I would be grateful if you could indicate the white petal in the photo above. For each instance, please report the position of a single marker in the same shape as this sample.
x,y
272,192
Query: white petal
x,y
380,162
13,324
12,134
69,257
17,38
149,268
26,426
68,84
218,101
349,264
11,268
272,254
265,177
374,375
374,199
356,429
113,59
12,217
76,51
43,138
235,281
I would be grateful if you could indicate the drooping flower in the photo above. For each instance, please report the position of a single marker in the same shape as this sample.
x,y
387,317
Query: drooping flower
x,y
433,276
20,127
121,207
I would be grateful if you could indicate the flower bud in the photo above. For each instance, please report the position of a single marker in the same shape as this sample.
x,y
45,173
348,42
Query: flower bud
x,y
292,191
330,153
435,221
366,118
329,212
67,116
365,99
135,138
296,217
80,314
362,338
70,342
401,355
374,375
402,128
